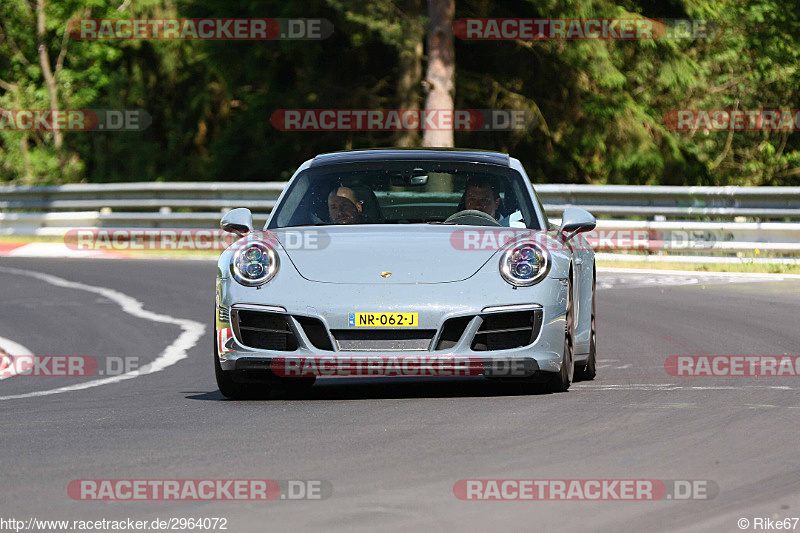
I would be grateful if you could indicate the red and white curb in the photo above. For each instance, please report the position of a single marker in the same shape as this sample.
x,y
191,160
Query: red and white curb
x,y
8,350
53,249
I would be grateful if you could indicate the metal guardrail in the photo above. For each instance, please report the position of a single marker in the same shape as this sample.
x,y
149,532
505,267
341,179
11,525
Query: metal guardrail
x,y
672,201
745,238
601,200
51,210
142,196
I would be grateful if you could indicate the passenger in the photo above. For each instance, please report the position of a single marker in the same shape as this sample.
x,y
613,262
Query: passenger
x,y
343,206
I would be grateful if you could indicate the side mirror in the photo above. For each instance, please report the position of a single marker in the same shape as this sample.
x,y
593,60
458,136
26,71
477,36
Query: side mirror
x,y
576,220
238,221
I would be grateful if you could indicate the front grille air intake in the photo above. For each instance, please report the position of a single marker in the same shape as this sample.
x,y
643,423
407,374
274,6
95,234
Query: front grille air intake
x,y
263,331
383,339
504,331
452,331
316,332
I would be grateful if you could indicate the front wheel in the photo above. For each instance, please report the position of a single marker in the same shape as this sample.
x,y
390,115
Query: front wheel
x,y
588,372
231,389
561,381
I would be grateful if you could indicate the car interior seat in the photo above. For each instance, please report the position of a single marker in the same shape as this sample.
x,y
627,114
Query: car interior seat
x,y
370,208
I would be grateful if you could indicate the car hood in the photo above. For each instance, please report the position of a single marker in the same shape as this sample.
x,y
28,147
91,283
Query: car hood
x,y
411,253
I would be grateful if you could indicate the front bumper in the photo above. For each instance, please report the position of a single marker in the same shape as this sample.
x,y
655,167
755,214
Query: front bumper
x,y
475,299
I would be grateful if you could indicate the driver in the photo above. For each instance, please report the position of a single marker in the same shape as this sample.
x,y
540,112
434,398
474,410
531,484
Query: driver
x,y
480,195
343,206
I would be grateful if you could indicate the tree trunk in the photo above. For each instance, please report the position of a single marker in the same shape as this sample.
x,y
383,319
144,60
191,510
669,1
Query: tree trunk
x,y
441,68
408,84
44,62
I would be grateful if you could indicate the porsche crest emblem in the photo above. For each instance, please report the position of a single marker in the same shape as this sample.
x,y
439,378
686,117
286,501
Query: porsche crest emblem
x,y
385,274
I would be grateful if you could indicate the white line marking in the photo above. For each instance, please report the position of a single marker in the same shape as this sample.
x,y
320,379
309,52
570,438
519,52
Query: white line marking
x,y
13,349
192,332
672,386
764,275
638,278
632,386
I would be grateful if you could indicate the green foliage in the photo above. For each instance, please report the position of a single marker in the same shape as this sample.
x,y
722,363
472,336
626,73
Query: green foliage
x,y
600,104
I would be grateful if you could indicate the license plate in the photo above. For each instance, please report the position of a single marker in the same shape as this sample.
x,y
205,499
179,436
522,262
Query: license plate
x,y
383,320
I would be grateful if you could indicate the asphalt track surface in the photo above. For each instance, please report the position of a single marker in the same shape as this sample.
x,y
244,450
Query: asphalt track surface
x,y
393,449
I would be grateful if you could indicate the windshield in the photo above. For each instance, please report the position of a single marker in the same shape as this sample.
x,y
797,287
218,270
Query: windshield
x,y
407,192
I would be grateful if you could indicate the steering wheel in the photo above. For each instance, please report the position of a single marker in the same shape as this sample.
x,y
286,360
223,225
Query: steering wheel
x,y
472,217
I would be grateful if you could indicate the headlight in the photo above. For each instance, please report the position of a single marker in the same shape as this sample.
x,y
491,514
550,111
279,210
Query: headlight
x,y
254,264
524,264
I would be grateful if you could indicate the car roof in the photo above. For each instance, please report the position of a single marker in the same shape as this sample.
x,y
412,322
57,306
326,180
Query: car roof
x,y
422,154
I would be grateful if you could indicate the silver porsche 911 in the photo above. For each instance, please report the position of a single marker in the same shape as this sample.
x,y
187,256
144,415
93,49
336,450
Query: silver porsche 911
x,y
405,263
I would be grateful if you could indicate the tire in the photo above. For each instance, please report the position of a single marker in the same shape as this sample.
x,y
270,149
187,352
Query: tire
x,y
589,371
233,390
561,381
